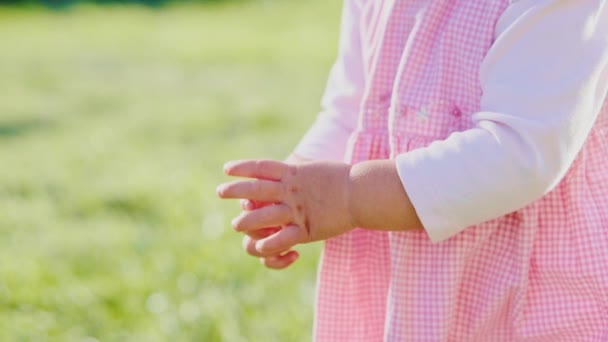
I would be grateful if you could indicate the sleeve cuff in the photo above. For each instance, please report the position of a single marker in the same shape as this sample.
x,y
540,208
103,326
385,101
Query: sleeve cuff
x,y
325,140
418,181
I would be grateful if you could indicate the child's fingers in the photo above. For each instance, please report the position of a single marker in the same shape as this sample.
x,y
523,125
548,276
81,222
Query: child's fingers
x,y
252,205
249,247
281,261
257,190
247,204
270,216
262,169
284,239
258,234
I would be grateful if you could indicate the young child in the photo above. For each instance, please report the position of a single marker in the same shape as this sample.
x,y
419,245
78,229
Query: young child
x,y
473,203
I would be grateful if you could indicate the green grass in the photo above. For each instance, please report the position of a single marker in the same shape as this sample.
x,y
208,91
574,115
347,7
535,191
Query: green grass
x,y
114,125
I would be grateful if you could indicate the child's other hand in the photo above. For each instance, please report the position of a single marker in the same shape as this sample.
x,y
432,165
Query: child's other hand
x,y
311,201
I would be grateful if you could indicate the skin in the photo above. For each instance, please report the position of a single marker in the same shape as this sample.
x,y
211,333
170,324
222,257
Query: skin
x,y
289,203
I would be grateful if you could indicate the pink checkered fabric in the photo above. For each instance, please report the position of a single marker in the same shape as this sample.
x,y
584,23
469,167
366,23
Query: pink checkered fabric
x,y
537,274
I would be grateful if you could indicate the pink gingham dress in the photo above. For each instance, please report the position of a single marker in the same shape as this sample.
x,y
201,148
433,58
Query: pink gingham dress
x,y
536,274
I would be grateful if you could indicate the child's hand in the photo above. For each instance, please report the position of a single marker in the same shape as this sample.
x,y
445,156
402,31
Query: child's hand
x,y
311,201
276,261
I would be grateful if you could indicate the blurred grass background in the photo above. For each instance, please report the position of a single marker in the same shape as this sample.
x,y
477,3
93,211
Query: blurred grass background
x,y
114,125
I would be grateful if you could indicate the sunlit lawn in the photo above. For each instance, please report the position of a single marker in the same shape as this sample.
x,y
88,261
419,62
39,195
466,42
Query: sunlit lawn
x,y
114,124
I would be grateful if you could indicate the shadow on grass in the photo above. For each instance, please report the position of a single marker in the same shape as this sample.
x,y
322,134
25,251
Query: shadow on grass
x,y
17,128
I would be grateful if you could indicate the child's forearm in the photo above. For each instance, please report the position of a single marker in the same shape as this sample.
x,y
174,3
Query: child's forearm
x,y
377,199
318,200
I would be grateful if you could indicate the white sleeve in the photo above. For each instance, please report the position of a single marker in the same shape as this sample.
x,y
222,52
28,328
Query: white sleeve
x,y
544,82
327,138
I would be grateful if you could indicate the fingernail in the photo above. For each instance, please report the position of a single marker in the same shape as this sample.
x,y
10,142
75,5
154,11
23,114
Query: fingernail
x,y
229,165
249,205
220,189
259,245
234,223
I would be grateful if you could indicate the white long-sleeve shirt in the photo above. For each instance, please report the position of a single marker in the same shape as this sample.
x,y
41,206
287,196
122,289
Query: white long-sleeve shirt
x,y
544,82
